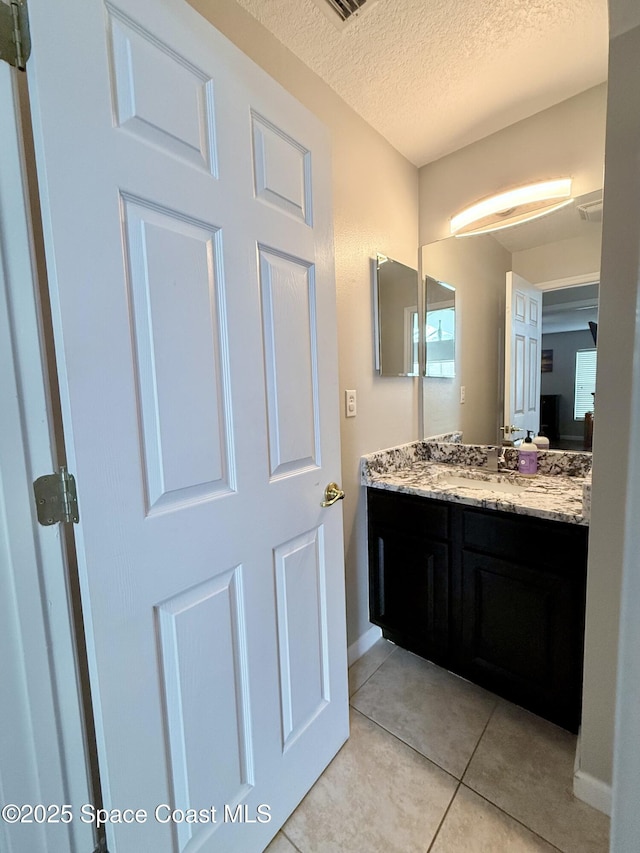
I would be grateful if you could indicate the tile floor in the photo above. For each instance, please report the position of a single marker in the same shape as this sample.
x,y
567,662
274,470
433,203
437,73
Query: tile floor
x,y
435,764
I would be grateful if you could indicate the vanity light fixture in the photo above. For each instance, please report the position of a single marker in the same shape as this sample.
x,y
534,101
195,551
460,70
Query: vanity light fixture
x,y
512,207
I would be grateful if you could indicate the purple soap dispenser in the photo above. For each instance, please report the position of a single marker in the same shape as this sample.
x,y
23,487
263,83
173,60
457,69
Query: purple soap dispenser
x,y
528,457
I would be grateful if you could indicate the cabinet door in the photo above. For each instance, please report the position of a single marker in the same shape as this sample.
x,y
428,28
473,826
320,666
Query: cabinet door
x,y
408,590
521,635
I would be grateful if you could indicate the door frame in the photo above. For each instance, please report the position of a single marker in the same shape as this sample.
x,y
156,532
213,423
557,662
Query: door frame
x,y
41,675
569,281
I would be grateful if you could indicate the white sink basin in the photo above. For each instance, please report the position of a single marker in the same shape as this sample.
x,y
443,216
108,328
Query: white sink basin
x,y
486,485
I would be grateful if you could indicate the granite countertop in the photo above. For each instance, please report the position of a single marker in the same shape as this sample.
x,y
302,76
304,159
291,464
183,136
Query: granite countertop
x,y
561,492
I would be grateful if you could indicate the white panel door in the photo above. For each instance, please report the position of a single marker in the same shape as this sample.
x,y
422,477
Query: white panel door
x,y
523,339
188,234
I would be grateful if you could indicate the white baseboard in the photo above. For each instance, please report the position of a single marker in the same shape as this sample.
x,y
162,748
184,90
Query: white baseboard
x,y
592,791
363,644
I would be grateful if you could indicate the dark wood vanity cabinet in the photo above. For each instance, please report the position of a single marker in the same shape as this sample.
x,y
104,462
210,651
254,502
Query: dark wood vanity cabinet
x,y
409,572
495,597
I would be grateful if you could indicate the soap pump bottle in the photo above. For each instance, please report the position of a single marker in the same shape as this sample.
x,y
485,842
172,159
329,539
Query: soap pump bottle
x,y
528,457
541,441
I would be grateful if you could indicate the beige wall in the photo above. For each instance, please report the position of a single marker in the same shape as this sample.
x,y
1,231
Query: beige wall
x,y
564,259
476,267
375,210
567,139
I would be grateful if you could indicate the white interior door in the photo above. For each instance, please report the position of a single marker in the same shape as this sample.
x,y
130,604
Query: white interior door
x,y
523,338
188,233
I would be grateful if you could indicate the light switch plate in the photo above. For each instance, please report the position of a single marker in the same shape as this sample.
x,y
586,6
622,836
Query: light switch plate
x,y
350,404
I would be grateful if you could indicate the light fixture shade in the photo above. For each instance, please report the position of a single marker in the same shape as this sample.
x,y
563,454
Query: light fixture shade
x,y
512,207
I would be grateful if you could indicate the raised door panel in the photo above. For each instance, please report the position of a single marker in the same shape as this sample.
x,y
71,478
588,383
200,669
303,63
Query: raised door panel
x,y
160,96
552,546
520,375
534,306
281,168
409,590
520,635
174,272
290,362
520,306
409,513
300,582
533,378
207,716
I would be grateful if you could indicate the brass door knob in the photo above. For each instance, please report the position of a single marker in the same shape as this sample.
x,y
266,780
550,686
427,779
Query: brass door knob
x,y
332,493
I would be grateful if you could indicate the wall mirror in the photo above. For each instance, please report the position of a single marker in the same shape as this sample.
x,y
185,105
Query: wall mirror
x,y
559,255
440,329
395,318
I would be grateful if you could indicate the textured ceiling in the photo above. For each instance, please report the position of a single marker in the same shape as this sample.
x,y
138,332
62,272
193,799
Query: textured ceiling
x,y
434,75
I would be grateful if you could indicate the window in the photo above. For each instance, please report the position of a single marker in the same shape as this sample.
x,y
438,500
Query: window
x,y
585,382
440,337
411,342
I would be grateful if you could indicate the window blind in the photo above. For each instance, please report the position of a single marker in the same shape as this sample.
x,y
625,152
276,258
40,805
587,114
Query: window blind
x,y
586,360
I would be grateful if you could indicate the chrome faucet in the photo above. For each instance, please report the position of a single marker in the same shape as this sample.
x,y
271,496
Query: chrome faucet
x,y
494,457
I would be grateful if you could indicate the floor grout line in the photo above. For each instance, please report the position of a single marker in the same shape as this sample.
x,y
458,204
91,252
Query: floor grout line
x,y
482,734
458,782
512,817
295,846
498,703
424,757
444,817
455,793
370,676
408,745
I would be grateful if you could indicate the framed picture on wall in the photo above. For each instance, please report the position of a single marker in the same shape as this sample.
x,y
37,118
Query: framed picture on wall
x,y
547,360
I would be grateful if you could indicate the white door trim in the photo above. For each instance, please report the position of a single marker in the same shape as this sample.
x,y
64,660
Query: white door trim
x,y
569,281
42,749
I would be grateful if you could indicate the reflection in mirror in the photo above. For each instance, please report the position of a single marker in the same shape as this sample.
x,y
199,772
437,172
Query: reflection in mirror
x,y
396,318
553,253
440,329
567,388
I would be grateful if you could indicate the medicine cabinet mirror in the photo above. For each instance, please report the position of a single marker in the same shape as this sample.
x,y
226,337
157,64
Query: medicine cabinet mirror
x,y
396,318
440,329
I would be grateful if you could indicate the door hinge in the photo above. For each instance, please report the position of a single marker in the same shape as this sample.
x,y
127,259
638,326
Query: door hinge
x,y
15,41
56,498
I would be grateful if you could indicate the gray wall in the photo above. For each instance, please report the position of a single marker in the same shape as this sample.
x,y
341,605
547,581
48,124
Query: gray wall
x,y
562,379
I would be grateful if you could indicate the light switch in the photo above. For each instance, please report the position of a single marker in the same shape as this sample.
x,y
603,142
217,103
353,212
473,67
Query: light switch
x,y
350,404
463,393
